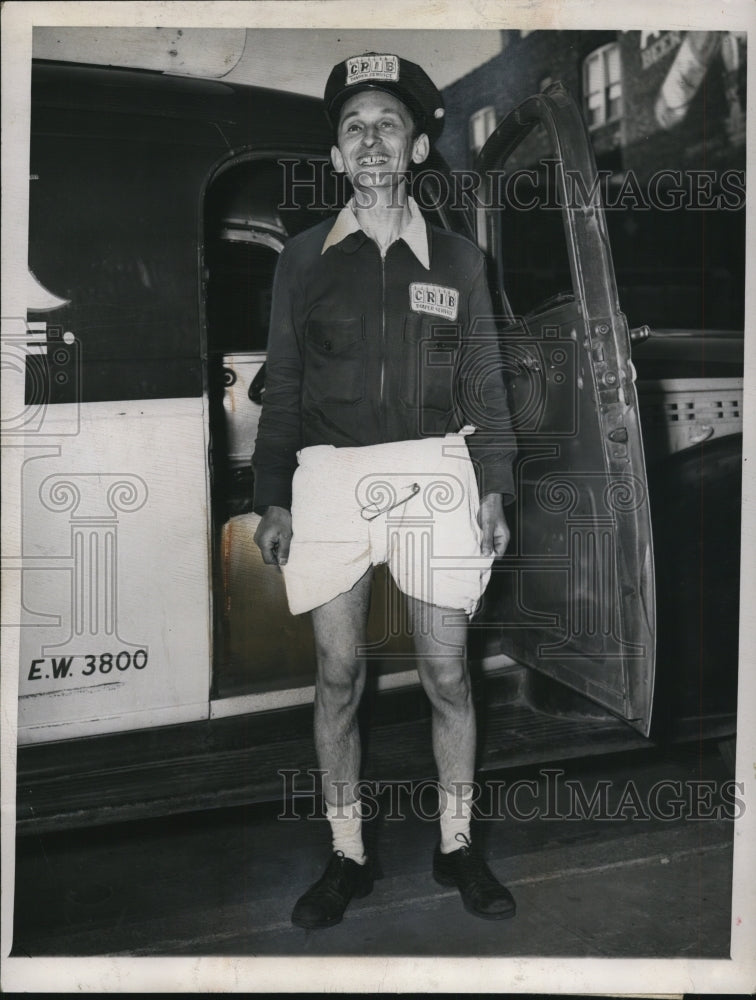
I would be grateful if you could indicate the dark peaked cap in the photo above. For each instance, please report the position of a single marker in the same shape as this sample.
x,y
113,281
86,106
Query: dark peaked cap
x,y
383,71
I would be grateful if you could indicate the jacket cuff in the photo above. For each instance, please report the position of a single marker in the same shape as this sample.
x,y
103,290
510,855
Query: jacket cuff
x,y
270,492
496,480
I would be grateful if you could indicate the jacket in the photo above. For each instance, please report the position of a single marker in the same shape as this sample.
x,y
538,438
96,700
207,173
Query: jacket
x,y
365,349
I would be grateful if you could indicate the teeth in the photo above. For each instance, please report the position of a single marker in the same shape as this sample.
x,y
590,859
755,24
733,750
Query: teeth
x,y
372,161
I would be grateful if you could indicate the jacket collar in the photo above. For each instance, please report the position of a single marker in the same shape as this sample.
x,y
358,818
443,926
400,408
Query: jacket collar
x,y
414,234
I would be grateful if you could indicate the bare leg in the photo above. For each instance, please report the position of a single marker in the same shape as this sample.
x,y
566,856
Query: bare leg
x,y
443,671
340,627
442,667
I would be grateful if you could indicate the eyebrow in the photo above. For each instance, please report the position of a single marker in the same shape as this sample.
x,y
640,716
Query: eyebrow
x,y
383,111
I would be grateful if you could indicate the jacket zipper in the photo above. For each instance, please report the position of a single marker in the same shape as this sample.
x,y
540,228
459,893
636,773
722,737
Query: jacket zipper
x,y
383,343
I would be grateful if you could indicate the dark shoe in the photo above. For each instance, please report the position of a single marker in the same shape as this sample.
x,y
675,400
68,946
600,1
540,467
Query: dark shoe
x,y
324,902
482,895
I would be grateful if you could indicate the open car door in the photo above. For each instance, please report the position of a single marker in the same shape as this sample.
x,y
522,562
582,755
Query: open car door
x,y
574,595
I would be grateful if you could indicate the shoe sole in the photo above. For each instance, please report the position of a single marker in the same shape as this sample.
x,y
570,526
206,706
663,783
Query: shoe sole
x,y
321,925
450,883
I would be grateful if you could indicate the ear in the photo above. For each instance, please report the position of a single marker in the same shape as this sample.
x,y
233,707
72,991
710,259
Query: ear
x,y
337,159
421,148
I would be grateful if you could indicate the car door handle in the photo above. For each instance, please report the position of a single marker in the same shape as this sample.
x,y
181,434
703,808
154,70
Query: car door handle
x,y
639,333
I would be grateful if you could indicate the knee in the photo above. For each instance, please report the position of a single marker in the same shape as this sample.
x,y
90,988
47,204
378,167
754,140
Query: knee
x,y
448,688
339,685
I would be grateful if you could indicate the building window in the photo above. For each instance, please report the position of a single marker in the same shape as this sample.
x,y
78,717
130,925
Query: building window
x,y
482,124
602,86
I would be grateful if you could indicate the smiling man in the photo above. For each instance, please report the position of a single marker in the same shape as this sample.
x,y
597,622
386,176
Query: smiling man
x,y
384,424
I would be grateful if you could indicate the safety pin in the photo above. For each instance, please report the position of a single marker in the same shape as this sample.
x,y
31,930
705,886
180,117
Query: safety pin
x,y
414,490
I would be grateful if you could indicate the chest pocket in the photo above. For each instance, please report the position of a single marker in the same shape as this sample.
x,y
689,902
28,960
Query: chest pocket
x,y
335,361
430,355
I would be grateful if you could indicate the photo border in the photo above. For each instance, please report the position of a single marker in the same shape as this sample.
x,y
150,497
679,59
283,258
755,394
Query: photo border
x,y
389,974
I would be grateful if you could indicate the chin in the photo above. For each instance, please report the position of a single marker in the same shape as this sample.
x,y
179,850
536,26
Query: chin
x,y
372,178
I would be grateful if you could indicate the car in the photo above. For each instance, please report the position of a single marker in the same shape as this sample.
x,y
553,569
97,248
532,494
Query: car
x,y
160,670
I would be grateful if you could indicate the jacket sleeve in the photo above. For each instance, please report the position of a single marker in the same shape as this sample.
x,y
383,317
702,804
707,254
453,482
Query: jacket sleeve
x,y
482,394
279,431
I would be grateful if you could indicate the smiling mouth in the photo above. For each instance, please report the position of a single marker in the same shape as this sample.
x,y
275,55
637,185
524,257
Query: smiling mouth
x,y
375,160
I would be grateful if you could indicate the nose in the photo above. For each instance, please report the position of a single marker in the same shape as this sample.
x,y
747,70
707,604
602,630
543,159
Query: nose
x,y
369,136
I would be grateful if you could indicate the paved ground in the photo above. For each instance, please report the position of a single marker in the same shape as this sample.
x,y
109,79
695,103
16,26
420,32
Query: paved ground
x,y
222,882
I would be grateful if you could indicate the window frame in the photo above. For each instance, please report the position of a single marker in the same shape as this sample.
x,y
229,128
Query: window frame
x,y
487,115
602,53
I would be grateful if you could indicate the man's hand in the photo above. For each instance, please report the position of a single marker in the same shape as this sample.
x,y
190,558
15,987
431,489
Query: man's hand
x,y
273,535
493,524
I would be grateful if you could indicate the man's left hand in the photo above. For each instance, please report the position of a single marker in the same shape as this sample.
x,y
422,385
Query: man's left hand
x,y
493,525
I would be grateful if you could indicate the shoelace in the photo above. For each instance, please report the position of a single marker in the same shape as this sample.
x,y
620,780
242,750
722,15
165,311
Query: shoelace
x,y
337,866
476,869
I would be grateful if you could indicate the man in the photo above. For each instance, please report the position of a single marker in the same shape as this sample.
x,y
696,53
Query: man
x,y
373,369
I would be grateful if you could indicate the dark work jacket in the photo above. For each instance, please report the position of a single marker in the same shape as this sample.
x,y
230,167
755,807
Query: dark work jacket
x,y
364,350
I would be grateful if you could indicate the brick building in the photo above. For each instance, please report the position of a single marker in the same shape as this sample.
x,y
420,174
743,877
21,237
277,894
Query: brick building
x,y
666,116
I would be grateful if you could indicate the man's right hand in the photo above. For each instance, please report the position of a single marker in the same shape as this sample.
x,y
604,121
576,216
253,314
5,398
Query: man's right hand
x,y
273,535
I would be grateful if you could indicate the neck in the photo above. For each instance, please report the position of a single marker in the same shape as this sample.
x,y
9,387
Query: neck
x,y
382,214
